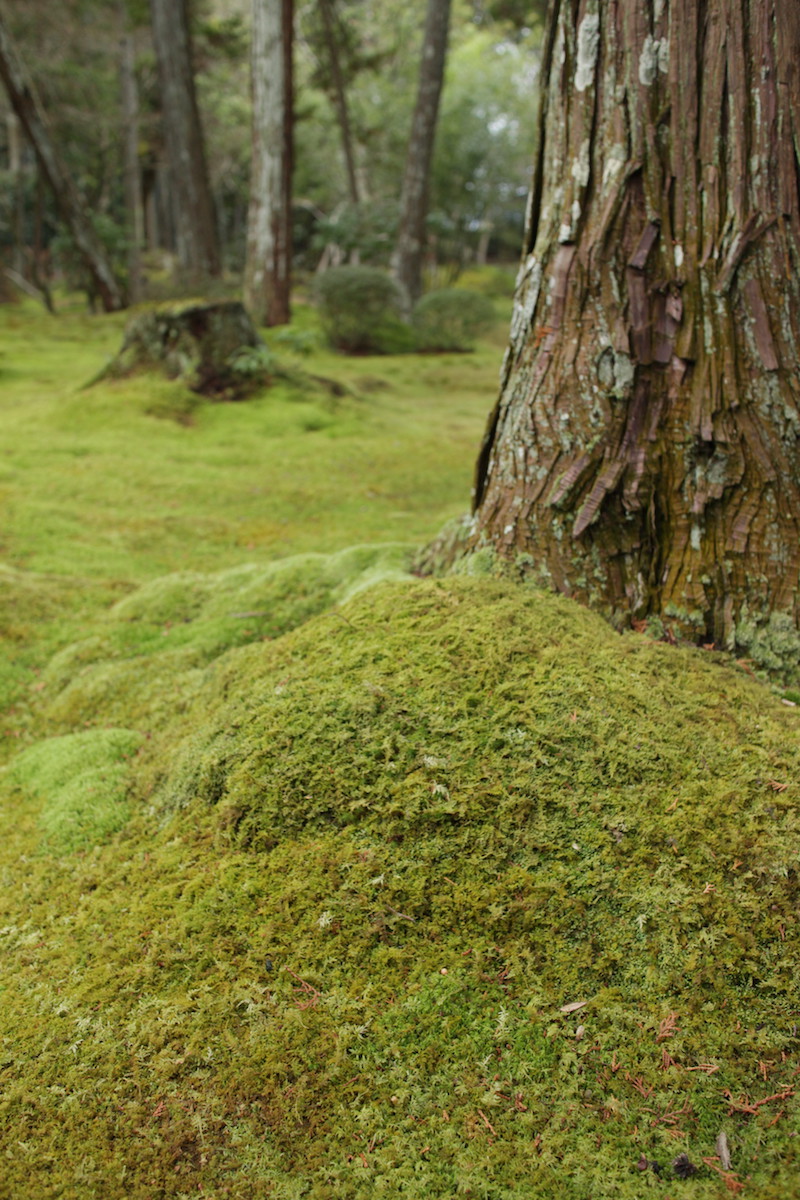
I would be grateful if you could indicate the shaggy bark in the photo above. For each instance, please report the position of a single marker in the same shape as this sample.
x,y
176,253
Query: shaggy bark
x,y
269,222
193,211
71,205
643,453
407,259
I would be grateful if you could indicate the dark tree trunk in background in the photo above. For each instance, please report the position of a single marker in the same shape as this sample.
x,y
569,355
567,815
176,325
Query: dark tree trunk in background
x,y
193,211
71,204
267,277
340,99
407,259
131,171
18,189
643,454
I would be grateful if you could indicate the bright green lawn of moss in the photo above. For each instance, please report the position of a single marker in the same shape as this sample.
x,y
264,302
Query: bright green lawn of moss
x,y
373,858
303,859
105,488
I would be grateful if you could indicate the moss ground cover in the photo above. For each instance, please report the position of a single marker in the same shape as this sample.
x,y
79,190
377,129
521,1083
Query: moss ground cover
x,y
321,880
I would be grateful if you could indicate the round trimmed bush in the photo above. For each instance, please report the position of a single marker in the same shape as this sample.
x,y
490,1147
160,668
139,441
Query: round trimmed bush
x,y
361,311
451,319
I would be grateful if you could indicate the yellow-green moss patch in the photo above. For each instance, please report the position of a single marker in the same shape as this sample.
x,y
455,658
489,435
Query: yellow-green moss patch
x,y
450,891
82,780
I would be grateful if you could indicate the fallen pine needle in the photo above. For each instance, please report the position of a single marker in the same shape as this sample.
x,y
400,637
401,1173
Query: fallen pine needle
x,y
486,1121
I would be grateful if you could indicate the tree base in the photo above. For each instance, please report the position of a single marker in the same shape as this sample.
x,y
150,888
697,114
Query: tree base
x,y
201,344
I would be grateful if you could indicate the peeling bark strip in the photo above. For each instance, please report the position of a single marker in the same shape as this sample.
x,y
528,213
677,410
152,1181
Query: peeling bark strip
x,y
267,276
71,204
644,452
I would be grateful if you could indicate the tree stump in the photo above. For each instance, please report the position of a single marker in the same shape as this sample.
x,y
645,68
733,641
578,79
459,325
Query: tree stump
x,y
213,348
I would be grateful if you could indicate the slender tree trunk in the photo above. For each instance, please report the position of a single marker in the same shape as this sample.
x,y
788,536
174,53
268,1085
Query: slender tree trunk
x,y
407,259
71,204
644,452
193,211
18,186
131,172
40,259
269,223
340,100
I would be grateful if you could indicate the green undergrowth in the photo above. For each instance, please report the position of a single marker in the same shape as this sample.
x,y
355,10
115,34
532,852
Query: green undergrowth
x,y
446,890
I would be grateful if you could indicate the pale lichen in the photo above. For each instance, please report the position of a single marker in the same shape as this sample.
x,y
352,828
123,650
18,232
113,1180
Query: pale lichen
x,y
588,49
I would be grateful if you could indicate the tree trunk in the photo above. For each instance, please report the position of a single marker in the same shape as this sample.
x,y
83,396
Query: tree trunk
x,y
269,219
193,211
340,100
407,259
643,454
131,172
40,255
71,204
18,190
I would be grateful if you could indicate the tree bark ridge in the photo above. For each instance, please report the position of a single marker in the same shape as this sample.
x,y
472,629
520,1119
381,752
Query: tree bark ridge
x,y
644,454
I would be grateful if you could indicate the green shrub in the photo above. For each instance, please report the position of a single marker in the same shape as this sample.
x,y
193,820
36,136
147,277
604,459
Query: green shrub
x,y
496,282
361,311
451,319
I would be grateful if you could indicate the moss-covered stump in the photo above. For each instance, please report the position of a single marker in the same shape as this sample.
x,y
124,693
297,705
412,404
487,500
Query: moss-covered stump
x,y
213,347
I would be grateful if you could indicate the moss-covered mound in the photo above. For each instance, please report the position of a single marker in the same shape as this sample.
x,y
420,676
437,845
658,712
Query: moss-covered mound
x,y
196,342
450,891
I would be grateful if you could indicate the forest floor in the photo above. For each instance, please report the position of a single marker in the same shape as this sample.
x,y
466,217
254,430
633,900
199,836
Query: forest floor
x,y
322,880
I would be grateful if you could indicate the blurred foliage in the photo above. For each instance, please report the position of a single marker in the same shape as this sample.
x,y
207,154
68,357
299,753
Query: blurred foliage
x,y
451,319
482,157
361,311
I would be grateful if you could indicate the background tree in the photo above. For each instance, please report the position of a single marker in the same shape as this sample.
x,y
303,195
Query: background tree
x,y
131,170
269,238
336,82
193,211
71,204
481,165
407,259
643,453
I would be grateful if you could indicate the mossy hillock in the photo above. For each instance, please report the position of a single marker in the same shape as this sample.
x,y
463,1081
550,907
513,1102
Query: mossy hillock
x,y
81,779
146,658
447,890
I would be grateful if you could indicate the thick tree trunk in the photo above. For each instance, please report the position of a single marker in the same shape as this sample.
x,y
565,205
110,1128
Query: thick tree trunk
x,y
193,211
269,221
643,454
407,259
71,204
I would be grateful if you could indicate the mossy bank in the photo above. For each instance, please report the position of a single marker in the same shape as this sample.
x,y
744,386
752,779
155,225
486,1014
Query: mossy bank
x,y
441,889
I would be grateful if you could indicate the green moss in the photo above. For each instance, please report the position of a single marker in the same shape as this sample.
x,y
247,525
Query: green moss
x,y
82,779
379,835
373,860
772,643
148,661
484,563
